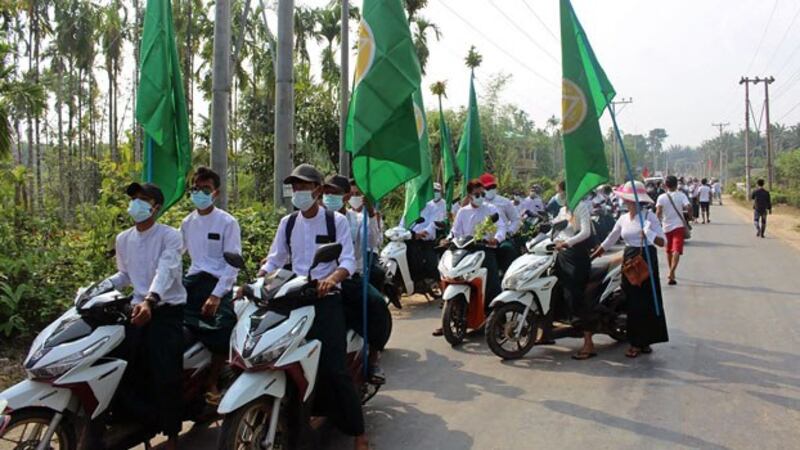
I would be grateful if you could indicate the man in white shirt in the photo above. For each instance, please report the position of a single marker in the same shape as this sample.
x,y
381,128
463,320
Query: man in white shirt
x,y
296,241
533,202
335,193
209,232
421,247
704,197
717,188
149,259
507,250
672,208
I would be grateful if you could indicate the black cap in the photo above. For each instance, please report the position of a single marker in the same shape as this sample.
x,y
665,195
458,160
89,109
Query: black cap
x,y
304,172
338,182
149,190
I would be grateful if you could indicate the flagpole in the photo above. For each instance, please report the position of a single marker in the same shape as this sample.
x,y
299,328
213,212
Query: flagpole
x,y
469,147
638,209
148,175
365,277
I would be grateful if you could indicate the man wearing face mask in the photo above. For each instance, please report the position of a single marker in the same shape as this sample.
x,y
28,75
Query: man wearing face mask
x,y
208,232
335,191
506,251
558,200
149,259
296,240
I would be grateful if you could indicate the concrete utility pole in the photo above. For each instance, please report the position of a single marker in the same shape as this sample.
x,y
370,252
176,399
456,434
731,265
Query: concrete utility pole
x,y
221,90
284,101
344,89
767,81
746,81
721,126
614,147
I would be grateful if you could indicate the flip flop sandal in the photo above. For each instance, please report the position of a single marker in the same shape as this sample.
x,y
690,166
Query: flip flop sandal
x,y
647,350
213,399
582,356
376,375
438,332
631,353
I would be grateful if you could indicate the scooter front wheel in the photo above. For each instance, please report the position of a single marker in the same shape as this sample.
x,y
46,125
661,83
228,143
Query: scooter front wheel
x,y
27,428
501,331
246,428
454,320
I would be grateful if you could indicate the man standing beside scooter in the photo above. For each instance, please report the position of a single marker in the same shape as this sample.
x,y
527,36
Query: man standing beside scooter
x,y
209,232
149,259
295,242
506,251
421,247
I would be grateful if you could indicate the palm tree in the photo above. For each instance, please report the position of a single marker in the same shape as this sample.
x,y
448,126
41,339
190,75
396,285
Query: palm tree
x,y
473,59
305,29
112,41
413,6
421,39
329,28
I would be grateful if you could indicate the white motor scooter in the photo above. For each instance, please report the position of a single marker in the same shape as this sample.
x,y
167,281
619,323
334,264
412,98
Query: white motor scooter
x,y
279,365
525,312
73,376
394,261
464,281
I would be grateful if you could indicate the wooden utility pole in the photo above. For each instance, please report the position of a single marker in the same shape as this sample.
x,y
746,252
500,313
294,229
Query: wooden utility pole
x,y
746,81
614,147
220,93
284,101
721,126
344,94
767,81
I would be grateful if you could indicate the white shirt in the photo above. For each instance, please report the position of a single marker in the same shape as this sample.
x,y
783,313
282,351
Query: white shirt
x,y
454,208
304,245
374,235
507,211
670,219
534,205
469,217
150,261
579,227
206,238
432,212
704,192
717,188
630,230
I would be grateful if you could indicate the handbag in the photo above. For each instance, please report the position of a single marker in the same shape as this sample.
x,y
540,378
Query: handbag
x,y
635,269
687,233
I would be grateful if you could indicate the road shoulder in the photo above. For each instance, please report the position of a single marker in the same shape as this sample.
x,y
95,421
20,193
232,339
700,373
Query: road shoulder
x,y
783,223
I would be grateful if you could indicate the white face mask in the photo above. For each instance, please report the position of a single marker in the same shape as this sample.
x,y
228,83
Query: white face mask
x,y
356,201
437,195
491,194
477,201
303,200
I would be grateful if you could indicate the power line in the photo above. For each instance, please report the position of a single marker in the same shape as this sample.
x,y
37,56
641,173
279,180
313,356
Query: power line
x,y
493,43
521,30
791,110
763,35
785,34
544,25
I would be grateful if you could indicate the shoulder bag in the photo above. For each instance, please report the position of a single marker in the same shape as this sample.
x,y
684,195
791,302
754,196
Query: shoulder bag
x,y
687,233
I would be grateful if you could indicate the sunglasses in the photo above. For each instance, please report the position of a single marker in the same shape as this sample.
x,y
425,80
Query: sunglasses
x,y
205,190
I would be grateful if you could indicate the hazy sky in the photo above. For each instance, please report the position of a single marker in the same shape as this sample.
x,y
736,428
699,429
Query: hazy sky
x,y
680,60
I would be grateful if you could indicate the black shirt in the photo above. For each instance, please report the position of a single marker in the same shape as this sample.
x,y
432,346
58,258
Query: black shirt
x,y
761,200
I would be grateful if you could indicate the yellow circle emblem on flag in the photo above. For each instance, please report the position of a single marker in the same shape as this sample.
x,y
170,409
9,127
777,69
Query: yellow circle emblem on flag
x,y
366,50
573,106
420,118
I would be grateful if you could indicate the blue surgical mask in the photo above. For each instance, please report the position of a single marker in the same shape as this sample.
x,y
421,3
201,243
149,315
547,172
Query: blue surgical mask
x,y
437,195
202,200
333,202
490,194
302,200
477,201
139,210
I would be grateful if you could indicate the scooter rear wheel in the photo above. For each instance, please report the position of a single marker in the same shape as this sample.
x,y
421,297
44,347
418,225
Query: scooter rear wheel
x,y
454,320
245,428
27,428
501,330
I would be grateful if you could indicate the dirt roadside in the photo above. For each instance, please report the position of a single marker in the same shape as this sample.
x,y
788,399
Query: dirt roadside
x,y
783,223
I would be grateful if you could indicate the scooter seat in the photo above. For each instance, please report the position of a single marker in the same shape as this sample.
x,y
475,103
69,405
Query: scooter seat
x,y
599,271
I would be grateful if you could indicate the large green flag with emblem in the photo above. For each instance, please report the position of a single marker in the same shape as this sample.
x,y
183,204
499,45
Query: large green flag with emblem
x,y
381,125
470,149
419,190
161,105
448,158
586,92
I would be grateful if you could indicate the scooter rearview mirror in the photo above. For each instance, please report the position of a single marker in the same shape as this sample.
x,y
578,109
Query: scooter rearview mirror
x,y
495,217
327,253
234,259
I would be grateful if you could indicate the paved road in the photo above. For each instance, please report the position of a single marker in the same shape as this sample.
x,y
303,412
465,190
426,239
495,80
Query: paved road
x,y
728,379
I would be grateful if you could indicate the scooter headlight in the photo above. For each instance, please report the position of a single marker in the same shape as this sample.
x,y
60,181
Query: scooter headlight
x,y
60,367
276,350
522,275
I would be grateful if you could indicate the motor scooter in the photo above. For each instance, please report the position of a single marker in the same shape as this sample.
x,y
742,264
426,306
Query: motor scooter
x,y
394,261
278,363
73,375
530,310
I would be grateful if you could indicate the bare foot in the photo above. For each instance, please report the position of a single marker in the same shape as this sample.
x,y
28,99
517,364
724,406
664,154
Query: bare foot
x,y
361,442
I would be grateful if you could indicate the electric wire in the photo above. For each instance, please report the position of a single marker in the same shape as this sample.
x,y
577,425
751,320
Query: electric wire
x,y
785,35
763,35
544,25
522,30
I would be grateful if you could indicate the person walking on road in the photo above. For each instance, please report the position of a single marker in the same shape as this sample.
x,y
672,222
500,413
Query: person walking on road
x,y
671,208
716,186
704,197
646,325
762,204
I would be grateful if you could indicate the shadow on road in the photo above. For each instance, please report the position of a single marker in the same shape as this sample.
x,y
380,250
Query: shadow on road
x,y
755,289
639,428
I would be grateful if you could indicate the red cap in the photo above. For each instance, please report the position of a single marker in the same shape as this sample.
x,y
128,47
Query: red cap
x,y
487,180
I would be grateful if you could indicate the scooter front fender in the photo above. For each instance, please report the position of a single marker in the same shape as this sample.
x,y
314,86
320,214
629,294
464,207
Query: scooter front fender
x,y
453,290
522,297
251,385
35,394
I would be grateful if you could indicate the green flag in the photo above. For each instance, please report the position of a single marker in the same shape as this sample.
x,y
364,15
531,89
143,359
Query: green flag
x,y
448,158
470,149
419,190
586,92
161,105
381,125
